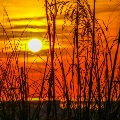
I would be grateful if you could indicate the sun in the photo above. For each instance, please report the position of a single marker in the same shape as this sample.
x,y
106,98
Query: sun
x,y
34,45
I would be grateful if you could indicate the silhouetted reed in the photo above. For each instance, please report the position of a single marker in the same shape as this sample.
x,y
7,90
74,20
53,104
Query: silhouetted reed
x,y
84,78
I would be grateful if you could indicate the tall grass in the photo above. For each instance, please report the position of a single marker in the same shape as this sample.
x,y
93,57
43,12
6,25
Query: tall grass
x,y
85,79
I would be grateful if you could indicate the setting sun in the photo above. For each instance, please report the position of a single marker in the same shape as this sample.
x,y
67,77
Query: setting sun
x,y
35,45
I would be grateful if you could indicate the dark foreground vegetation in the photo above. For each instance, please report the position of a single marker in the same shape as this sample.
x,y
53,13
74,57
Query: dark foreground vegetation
x,y
34,110
84,77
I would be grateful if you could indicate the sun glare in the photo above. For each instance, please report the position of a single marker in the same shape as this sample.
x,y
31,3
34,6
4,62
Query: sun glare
x,y
35,45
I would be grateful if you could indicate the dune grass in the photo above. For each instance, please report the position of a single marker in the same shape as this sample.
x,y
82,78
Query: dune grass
x,y
86,80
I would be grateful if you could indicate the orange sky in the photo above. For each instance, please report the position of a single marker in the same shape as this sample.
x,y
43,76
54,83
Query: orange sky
x,y
30,14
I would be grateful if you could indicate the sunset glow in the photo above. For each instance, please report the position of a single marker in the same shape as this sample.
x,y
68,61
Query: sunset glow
x,y
59,54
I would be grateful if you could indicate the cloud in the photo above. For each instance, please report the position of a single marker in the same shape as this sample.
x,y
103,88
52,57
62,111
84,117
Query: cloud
x,y
59,17
28,26
20,53
26,19
21,35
